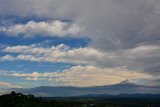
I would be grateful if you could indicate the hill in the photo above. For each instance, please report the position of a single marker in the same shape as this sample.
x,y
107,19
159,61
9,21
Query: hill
x,y
122,88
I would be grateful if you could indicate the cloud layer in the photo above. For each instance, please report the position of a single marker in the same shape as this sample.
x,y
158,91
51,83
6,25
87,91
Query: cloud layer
x,y
144,58
59,53
8,85
31,29
84,76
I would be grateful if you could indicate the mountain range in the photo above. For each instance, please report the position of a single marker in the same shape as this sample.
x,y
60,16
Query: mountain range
x,y
121,88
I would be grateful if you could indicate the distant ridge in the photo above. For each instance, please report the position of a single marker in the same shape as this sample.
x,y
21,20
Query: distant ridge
x,y
121,88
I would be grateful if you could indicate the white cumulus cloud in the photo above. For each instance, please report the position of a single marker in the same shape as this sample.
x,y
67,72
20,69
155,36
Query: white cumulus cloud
x,y
84,76
59,53
53,28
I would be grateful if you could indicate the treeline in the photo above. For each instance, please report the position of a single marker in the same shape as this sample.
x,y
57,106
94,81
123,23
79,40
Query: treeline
x,y
19,100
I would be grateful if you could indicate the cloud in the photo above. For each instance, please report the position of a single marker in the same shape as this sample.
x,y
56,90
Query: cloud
x,y
59,53
123,32
33,76
144,49
155,82
32,28
143,57
8,85
113,25
85,76
7,57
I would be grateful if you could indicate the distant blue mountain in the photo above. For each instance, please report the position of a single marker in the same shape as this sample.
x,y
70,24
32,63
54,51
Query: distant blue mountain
x,y
121,88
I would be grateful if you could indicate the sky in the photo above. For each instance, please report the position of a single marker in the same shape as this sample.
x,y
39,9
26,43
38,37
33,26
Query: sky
x,y
79,43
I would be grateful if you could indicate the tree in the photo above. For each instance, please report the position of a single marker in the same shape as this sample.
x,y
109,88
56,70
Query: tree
x,y
13,93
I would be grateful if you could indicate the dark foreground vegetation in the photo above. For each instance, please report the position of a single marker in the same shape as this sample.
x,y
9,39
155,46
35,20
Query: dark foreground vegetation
x,y
20,100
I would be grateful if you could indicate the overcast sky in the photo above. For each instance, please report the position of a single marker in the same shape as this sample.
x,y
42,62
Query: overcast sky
x,y
79,42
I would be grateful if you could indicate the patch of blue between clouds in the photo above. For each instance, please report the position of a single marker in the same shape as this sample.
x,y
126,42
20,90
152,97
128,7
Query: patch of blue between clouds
x,y
29,67
9,79
24,82
43,40
17,19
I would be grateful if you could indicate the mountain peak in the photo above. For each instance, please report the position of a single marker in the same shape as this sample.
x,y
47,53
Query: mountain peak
x,y
125,81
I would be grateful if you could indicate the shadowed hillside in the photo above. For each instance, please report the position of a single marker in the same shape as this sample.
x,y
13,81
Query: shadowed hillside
x,y
20,100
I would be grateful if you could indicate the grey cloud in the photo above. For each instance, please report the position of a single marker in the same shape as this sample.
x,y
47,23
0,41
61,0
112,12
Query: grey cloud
x,y
110,24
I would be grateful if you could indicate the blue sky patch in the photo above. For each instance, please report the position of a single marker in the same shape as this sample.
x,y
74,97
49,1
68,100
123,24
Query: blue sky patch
x,y
29,67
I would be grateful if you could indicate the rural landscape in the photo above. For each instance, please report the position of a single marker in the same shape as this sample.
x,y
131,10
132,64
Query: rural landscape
x,y
19,100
